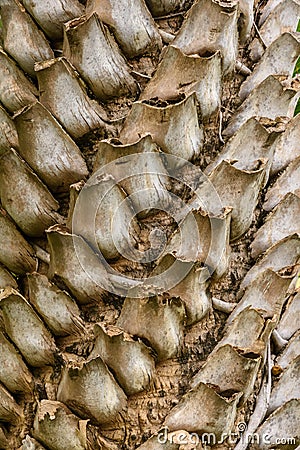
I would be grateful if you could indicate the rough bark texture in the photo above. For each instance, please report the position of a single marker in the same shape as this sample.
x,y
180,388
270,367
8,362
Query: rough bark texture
x,y
149,245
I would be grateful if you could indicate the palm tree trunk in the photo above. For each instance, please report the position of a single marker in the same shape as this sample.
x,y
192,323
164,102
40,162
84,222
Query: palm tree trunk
x,y
150,240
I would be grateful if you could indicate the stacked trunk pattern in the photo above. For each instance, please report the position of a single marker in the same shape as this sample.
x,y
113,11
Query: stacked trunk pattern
x,y
149,225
